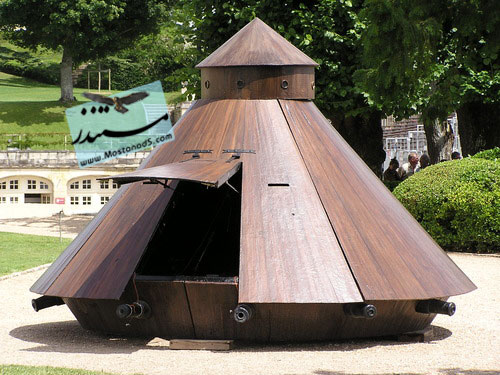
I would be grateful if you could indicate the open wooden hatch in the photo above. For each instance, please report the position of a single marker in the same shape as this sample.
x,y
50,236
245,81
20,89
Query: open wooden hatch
x,y
257,202
208,172
198,236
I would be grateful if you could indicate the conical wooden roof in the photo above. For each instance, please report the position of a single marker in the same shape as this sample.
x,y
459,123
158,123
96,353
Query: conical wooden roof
x,y
256,45
317,226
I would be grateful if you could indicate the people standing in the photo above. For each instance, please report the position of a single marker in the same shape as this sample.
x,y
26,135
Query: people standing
x,y
391,173
425,161
411,167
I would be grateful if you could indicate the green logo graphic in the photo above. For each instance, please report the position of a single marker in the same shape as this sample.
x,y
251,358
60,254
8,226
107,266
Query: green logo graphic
x,y
116,125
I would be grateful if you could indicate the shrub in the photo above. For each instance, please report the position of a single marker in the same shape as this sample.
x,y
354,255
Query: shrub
x,y
493,154
457,202
28,64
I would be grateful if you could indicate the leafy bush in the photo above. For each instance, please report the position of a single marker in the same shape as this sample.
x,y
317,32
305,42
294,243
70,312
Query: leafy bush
x,y
151,58
457,202
124,75
37,70
493,154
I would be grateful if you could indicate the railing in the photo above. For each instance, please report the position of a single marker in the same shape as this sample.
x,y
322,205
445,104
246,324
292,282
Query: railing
x,y
36,141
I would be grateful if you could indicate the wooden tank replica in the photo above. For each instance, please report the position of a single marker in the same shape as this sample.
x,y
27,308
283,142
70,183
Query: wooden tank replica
x,y
258,222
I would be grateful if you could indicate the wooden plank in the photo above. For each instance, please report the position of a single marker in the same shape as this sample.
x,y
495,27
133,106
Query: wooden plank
x,y
201,344
390,254
50,275
104,263
422,335
42,285
210,305
256,44
114,226
210,172
289,252
170,316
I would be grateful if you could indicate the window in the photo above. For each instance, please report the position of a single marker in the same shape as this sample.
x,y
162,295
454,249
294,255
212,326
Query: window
x,y
45,199
43,185
86,200
115,185
31,184
104,200
14,184
73,200
14,199
3,185
3,200
75,186
86,184
105,184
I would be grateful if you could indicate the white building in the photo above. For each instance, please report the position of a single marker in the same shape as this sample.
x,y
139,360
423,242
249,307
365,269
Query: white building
x,y
38,184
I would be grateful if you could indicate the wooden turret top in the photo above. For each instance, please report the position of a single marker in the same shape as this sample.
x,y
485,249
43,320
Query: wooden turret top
x,y
256,44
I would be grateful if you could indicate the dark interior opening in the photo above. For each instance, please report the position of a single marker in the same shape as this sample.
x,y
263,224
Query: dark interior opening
x,y
32,198
199,233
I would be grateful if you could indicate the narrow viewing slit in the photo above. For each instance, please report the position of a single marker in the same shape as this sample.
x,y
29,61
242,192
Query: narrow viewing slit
x,y
199,234
278,184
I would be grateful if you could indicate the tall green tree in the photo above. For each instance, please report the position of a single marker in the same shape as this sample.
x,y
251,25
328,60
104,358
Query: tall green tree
x,y
83,29
434,57
326,30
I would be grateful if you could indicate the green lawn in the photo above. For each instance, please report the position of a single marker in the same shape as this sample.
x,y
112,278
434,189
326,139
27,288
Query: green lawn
x,y
38,370
32,108
20,252
9,50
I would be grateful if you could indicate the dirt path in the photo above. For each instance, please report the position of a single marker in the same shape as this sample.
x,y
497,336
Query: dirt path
x,y
47,226
467,343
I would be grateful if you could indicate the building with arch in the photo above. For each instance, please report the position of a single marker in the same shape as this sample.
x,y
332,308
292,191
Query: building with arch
x,y
38,184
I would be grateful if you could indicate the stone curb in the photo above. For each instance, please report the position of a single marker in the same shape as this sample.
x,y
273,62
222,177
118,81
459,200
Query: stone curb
x,y
16,274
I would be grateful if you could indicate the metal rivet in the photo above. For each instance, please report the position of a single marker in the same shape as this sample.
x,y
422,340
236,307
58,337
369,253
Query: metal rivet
x,y
207,84
284,84
240,84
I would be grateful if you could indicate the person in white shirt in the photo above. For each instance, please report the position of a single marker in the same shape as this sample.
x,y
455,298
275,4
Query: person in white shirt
x,y
407,169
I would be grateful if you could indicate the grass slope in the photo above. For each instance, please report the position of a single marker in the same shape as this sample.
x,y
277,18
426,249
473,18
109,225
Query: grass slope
x,y
30,107
39,370
20,252
9,50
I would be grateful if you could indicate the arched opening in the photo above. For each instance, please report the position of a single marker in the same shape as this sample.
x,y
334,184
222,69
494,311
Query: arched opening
x,y
26,189
88,190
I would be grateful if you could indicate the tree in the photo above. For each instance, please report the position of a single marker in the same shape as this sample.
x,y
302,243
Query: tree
x,y
434,57
326,30
82,29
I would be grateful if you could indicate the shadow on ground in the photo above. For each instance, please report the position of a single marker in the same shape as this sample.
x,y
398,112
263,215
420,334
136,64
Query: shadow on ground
x,y
69,224
448,371
22,82
41,113
70,337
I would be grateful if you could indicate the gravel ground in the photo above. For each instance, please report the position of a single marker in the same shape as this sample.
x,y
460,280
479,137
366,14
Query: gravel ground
x,y
47,226
467,343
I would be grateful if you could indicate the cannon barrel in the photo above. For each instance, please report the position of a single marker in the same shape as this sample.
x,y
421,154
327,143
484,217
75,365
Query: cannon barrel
x,y
46,301
243,313
360,310
138,310
434,306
